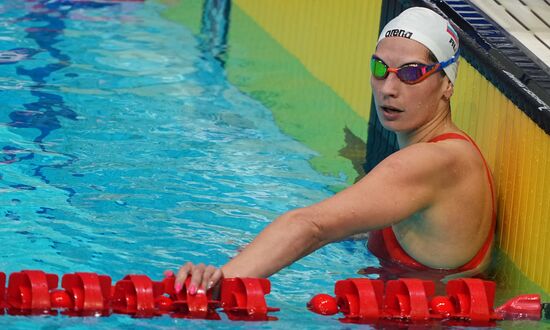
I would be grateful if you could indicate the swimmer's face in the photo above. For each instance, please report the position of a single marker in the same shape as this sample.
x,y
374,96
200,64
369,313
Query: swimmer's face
x,y
404,107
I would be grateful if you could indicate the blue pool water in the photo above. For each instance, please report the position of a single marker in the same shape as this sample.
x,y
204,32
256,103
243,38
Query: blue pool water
x,y
125,150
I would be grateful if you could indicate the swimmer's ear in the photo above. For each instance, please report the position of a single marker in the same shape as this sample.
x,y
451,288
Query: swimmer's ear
x,y
448,89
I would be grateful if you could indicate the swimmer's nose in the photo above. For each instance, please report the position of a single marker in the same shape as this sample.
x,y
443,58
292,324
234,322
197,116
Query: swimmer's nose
x,y
389,87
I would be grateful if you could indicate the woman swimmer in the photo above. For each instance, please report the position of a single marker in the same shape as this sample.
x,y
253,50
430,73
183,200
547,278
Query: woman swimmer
x,y
434,194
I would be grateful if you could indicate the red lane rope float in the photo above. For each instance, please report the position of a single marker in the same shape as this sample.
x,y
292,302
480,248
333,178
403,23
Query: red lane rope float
x,y
34,292
469,301
244,298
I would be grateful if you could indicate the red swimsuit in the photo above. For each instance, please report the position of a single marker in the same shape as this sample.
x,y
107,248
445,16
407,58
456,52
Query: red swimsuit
x,y
383,243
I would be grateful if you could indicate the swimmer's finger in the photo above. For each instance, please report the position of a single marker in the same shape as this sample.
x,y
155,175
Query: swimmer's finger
x,y
196,279
183,272
215,279
207,280
215,283
168,273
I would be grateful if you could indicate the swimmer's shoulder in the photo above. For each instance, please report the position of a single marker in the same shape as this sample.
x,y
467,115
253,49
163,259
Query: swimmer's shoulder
x,y
442,163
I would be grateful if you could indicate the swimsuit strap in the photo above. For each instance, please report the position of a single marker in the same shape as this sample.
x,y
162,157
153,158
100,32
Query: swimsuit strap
x,y
395,251
450,136
478,258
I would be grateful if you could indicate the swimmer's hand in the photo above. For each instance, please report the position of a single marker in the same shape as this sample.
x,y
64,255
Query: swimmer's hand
x,y
203,278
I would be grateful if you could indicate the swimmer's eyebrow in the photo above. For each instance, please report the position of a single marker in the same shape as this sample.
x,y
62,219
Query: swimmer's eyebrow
x,y
408,63
418,63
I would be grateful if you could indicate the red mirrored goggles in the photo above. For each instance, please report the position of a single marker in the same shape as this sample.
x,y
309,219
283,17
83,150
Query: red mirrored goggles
x,y
409,73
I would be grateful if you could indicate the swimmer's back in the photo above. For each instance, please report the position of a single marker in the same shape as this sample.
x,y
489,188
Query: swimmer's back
x,y
458,225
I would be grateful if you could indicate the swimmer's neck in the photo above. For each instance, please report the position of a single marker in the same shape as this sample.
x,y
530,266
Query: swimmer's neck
x,y
440,124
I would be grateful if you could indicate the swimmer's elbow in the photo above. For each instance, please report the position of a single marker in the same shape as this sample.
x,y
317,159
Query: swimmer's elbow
x,y
303,222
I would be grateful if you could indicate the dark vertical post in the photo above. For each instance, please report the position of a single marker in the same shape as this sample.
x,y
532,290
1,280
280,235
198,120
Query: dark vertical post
x,y
381,142
214,26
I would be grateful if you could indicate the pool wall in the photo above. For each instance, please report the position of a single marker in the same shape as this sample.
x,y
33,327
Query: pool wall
x,y
307,62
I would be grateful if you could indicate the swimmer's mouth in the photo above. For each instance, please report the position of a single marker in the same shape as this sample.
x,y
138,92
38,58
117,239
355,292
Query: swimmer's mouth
x,y
390,109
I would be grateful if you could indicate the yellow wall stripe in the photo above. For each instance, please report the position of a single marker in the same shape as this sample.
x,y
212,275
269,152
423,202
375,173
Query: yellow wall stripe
x,y
518,152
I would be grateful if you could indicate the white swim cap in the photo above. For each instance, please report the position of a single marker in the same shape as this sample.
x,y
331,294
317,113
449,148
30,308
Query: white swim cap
x,y
431,30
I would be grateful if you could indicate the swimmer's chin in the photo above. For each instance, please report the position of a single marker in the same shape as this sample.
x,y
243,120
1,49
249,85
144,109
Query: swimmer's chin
x,y
389,125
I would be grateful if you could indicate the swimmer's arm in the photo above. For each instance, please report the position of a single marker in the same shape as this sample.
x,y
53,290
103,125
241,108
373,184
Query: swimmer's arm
x,y
400,186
